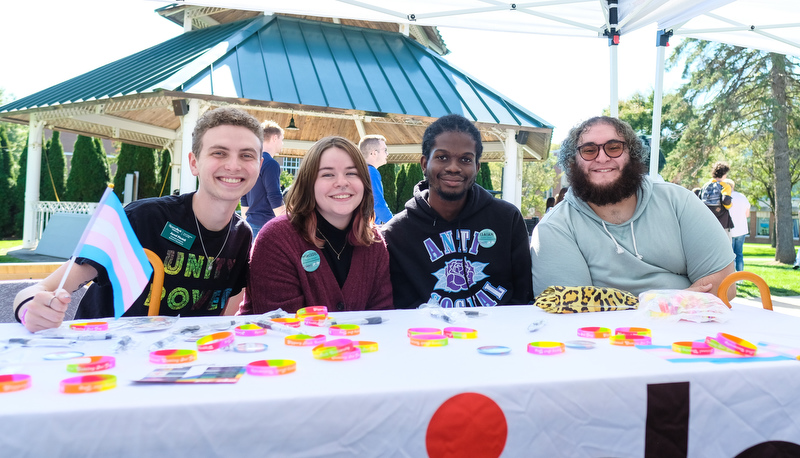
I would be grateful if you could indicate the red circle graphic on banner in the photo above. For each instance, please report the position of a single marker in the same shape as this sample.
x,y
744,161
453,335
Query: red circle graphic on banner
x,y
468,424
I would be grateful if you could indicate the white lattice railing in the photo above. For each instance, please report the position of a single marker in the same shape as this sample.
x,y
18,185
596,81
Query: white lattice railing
x,y
44,210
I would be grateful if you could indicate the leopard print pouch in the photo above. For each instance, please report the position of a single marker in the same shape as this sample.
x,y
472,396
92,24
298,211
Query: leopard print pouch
x,y
578,299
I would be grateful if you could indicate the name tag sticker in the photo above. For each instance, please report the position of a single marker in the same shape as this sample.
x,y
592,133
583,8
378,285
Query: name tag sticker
x,y
178,236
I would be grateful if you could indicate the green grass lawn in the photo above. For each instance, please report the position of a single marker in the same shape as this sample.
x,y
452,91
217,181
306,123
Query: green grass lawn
x,y
6,245
781,278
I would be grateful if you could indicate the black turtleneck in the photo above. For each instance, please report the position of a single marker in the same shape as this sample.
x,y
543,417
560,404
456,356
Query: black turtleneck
x,y
336,243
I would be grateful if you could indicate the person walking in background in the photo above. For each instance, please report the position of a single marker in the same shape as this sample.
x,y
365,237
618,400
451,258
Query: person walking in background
x,y
265,200
375,152
716,194
740,210
551,202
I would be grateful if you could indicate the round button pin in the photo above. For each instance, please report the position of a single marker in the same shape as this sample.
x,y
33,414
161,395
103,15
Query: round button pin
x,y
487,238
310,260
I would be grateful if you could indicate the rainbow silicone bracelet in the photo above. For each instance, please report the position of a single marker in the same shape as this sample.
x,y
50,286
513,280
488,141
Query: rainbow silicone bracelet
x,y
344,330
692,348
350,355
88,383
14,382
419,331
633,331
215,341
594,332
315,320
460,333
271,367
736,344
304,340
712,342
92,364
249,330
546,348
313,310
332,348
366,346
291,322
629,341
172,356
90,326
428,340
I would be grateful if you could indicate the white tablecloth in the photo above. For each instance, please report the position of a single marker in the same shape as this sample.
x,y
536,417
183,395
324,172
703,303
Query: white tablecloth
x,y
579,403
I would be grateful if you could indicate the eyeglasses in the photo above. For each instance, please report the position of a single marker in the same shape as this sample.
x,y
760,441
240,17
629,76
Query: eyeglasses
x,y
613,148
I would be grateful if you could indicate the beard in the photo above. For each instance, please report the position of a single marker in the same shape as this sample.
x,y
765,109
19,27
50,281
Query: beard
x,y
448,196
629,181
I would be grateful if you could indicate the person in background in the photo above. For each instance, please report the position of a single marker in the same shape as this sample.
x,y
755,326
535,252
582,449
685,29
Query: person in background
x,y
716,194
374,149
551,202
327,249
561,194
740,210
454,244
620,229
265,200
204,244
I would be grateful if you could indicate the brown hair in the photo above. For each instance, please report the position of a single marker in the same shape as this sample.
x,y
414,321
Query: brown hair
x,y
301,202
720,169
224,116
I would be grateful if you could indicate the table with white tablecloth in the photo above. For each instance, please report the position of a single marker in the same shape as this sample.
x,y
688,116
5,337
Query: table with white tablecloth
x,y
405,400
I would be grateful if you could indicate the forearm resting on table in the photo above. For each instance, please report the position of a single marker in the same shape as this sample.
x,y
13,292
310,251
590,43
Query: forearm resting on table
x,y
710,283
40,306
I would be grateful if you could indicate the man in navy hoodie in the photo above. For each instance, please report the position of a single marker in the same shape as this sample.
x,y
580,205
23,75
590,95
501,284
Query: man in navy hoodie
x,y
454,243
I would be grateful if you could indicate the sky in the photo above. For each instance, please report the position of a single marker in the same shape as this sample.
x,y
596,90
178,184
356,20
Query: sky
x,y
562,80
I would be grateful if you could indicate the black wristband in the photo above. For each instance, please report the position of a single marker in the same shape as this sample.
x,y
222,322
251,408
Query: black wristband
x,y
16,310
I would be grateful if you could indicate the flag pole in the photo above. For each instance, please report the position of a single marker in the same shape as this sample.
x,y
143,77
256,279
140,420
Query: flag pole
x,y
83,237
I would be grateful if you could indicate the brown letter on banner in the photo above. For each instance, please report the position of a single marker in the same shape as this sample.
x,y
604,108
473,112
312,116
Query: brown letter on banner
x,y
667,427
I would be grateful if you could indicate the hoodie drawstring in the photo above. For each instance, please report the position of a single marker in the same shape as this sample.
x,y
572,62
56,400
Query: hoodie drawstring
x,y
619,248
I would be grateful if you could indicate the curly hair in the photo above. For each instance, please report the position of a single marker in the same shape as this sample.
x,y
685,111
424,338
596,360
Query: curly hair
x,y
720,169
569,147
301,202
224,116
451,123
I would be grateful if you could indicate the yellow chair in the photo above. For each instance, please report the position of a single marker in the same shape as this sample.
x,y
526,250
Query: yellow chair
x,y
766,299
158,282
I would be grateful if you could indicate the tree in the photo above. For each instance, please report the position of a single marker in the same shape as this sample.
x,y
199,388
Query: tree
x,y
165,173
484,178
400,184
413,176
145,164
737,91
19,190
52,182
388,176
125,164
537,179
88,176
7,179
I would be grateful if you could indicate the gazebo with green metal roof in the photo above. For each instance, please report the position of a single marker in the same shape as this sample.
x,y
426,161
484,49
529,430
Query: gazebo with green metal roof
x,y
330,78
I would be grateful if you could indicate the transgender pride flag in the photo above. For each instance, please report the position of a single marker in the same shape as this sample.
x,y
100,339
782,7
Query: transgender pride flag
x,y
109,240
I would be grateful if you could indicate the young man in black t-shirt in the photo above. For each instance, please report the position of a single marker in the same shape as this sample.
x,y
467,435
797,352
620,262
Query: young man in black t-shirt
x,y
202,242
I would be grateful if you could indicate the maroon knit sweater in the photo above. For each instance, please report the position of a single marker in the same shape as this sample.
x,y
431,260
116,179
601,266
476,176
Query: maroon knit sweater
x,y
277,278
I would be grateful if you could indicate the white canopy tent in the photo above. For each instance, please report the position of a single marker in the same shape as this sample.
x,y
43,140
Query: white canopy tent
x,y
770,25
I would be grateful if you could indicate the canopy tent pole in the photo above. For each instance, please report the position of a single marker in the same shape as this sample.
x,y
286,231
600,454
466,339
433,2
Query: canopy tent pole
x,y
662,41
512,170
33,171
613,42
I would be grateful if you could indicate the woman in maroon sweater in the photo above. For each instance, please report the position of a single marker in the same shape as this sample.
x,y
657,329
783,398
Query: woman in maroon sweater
x,y
326,250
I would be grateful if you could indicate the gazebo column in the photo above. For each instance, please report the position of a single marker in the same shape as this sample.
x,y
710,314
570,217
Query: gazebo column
x,y
512,170
188,181
33,171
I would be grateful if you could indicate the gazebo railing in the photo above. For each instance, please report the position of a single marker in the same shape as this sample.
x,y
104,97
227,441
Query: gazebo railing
x,y
45,209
